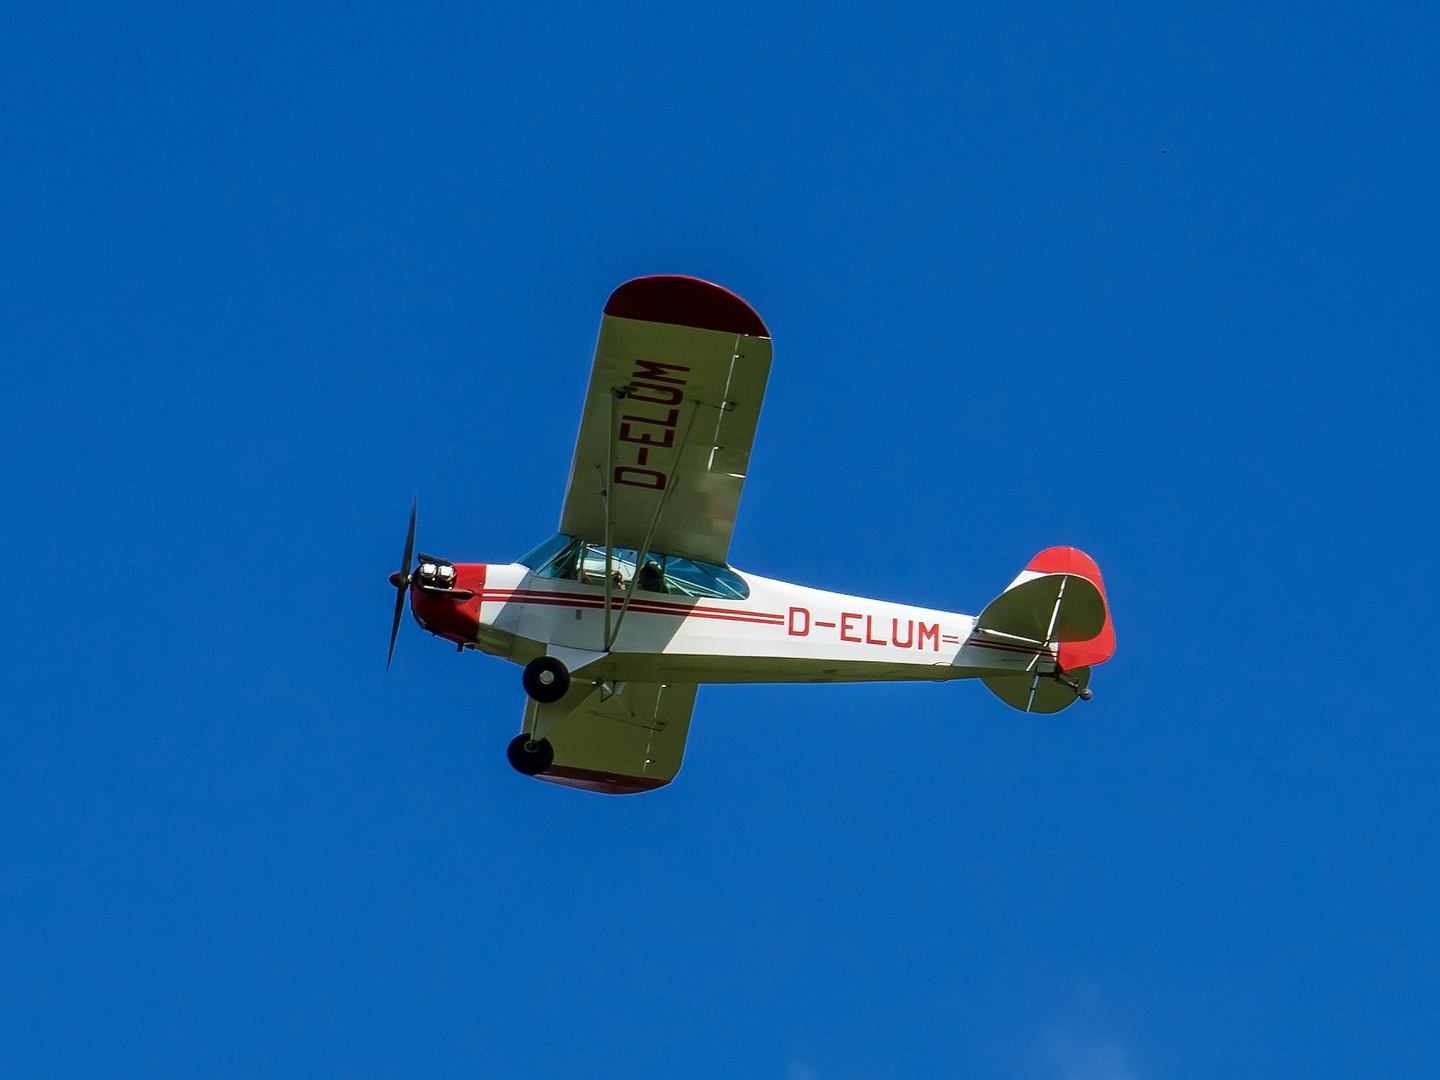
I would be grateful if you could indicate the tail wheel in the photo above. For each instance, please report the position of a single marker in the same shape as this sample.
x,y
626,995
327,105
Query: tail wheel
x,y
530,756
546,679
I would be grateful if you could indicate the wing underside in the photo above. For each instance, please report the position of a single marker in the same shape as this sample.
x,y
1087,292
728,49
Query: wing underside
x,y
620,738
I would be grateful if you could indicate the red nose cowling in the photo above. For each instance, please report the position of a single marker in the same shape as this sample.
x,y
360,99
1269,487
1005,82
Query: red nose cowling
x,y
454,617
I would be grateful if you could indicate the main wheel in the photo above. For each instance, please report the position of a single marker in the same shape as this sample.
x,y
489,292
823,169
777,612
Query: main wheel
x,y
546,679
529,756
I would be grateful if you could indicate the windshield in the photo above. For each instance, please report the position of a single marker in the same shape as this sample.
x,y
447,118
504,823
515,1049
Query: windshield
x,y
562,557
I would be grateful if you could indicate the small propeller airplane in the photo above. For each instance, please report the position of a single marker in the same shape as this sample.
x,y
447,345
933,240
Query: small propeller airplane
x,y
621,616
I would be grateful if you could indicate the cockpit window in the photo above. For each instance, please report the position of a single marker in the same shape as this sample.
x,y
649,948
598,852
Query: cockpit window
x,y
562,557
544,553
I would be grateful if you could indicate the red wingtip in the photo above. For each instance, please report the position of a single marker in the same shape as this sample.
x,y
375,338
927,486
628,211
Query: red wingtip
x,y
685,301
603,783
1068,560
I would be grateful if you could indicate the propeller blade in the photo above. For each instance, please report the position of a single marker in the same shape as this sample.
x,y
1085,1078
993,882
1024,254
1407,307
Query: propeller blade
x,y
410,539
403,581
395,629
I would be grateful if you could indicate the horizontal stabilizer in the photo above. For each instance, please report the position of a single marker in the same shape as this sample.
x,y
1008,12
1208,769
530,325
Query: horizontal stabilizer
x,y
1057,606
1047,608
1039,693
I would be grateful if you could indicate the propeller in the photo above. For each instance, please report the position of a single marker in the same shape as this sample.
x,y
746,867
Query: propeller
x,y
401,581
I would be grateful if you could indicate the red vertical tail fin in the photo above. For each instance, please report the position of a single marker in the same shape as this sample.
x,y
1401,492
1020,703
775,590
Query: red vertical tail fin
x,y
1068,560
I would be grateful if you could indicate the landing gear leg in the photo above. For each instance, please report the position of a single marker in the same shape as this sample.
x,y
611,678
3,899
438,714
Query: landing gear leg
x,y
530,756
1084,693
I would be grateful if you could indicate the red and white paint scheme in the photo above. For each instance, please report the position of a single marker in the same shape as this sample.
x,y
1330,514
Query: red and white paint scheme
x,y
632,605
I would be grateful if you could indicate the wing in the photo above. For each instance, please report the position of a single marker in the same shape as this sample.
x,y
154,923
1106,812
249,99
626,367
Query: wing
x,y
620,739
669,420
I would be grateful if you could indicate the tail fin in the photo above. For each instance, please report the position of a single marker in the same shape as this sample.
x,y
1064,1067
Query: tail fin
x,y
1057,613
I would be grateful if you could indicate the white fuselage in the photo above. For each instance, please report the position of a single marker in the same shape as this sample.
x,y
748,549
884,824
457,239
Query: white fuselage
x,y
780,633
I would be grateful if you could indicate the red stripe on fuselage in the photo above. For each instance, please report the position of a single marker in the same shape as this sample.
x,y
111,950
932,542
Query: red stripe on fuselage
x,y
1001,646
646,606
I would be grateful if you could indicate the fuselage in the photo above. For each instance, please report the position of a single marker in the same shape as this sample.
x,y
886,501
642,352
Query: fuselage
x,y
779,633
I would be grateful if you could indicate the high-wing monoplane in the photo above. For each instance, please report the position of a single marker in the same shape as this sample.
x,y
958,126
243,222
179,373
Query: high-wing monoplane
x,y
619,617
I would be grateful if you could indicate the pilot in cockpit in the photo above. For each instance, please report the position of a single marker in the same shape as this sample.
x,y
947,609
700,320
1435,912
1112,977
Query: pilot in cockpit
x,y
652,578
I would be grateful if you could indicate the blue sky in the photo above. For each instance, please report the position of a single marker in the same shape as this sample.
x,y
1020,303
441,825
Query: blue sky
x,y
1158,282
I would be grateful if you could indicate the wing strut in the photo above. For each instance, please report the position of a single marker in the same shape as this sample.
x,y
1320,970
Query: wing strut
x,y
611,635
610,517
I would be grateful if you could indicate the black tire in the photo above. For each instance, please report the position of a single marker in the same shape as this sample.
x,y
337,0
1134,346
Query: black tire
x,y
546,679
528,757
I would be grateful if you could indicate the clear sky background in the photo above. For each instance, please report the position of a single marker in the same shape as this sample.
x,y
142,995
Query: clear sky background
x,y
1155,281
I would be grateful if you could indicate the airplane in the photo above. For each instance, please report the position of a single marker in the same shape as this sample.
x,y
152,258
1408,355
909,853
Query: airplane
x,y
620,617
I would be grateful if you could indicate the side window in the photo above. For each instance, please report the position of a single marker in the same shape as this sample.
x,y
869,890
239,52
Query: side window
x,y
585,563
622,565
702,579
567,559
547,551
562,563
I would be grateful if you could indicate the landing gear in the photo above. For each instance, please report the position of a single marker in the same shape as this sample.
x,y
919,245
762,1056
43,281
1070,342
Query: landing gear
x,y
530,756
1084,693
546,679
